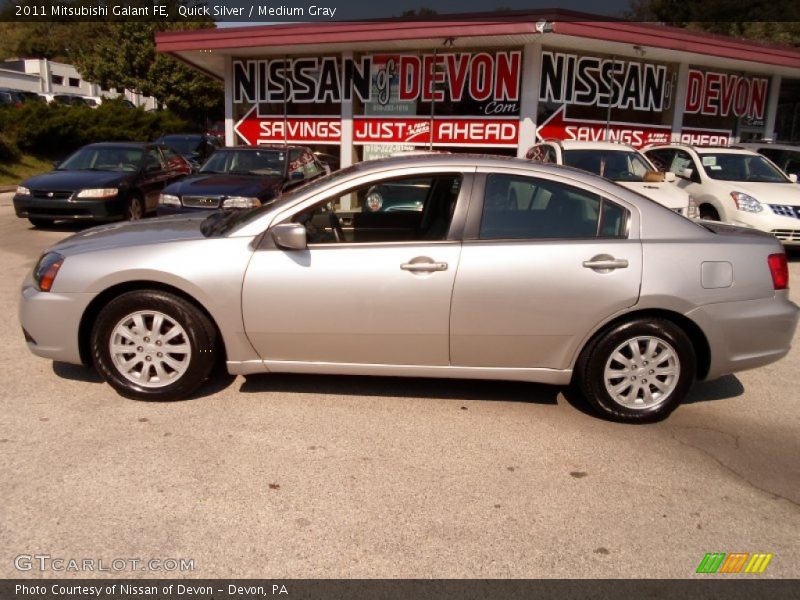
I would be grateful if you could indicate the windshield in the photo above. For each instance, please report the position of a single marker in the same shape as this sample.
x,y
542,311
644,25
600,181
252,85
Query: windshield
x,y
246,162
741,167
183,145
617,165
106,158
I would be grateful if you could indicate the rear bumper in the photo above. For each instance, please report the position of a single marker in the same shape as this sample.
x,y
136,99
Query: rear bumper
x,y
748,334
89,210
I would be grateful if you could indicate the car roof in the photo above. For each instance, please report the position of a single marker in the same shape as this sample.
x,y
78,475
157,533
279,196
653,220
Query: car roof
x,y
749,145
181,136
281,147
704,149
582,145
121,145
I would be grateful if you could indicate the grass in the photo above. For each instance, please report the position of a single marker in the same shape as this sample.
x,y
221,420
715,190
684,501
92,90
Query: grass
x,y
11,173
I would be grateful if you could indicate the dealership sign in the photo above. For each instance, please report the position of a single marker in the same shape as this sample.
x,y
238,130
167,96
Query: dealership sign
x,y
559,127
451,131
603,82
721,94
436,77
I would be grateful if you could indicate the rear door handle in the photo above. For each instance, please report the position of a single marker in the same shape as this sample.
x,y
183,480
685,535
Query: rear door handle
x,y
605,263
424,267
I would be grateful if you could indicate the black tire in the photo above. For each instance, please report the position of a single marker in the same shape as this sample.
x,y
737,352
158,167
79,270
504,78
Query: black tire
x,y
40,223
709,213
591,367
135,208
200,334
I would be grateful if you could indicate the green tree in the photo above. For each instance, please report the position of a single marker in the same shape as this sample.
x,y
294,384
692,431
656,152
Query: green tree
x,y
123,55
760,21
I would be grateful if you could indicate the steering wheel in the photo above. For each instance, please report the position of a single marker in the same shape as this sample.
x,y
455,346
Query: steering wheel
x,y
336,225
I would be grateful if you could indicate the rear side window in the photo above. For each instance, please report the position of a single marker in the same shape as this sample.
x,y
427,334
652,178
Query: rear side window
x,y
518,207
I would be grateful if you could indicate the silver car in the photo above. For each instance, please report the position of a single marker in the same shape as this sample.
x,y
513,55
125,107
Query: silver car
x,y
511,270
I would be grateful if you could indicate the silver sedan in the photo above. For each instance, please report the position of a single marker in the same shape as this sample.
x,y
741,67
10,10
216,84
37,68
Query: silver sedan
x,y
499,269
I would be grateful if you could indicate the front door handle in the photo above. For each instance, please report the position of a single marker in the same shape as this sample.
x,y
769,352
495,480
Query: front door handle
x,y
605,263
423,267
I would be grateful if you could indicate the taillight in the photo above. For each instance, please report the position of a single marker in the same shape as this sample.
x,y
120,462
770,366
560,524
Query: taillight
x,y
779,269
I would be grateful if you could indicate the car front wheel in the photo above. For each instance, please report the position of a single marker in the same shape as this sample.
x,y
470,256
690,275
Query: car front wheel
x,y
152,345
637,371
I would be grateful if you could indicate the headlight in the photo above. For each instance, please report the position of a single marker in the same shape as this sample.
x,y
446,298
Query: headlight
x,y
45,271
23,191
98,193
693,212
746,203
241,202
169,200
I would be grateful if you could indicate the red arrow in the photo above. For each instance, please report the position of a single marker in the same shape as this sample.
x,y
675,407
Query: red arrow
x,y
248,127
553,127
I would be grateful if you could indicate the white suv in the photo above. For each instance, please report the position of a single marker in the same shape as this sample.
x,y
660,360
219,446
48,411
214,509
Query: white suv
x,y
735,185
622,164
785,156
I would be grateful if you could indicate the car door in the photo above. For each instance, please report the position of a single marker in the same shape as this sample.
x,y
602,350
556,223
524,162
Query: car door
x,y
544,262
380,296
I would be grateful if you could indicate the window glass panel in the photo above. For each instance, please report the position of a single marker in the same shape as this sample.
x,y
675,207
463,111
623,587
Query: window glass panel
x,y
518,207
395,210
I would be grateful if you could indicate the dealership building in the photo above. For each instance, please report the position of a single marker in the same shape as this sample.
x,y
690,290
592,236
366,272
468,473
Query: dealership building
x,y
491,83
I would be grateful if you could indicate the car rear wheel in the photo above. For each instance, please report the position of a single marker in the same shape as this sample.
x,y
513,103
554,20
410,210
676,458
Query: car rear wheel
x,y
637,371
41,223
135,209
152,345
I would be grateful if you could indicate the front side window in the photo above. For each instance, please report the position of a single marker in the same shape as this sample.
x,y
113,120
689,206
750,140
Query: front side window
x,y
396,210
519,207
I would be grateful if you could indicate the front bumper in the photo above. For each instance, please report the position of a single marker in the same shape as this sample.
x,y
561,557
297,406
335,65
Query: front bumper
x,y
747,334
69,208
165,210
786,229
51,322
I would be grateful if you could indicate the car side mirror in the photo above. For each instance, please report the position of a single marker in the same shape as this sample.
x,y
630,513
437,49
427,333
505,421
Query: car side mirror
x,y
290,236
669,176
793,177
685,173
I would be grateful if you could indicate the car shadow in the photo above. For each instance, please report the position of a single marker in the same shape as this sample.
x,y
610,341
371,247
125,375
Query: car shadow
x,y
216,383
403,387
723,388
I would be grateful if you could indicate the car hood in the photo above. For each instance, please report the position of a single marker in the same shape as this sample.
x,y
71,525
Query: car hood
x,y
69,180
768,193
136,233
662,192
251,186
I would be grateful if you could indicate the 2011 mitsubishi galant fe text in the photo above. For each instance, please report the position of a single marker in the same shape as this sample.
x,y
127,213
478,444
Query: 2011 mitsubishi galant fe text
x,y
510,270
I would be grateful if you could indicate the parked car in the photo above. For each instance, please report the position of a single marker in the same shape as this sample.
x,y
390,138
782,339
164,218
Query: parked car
x,y
194,147
736,186
332,161
69,100
580,281
10,98
620,163
32,97
101,182
245,177
785,156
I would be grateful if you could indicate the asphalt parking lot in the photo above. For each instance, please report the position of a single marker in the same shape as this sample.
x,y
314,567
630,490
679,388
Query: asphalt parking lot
x,y
300,476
